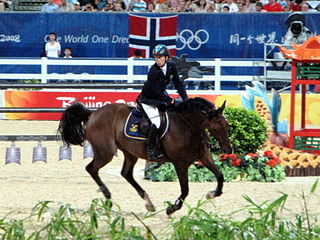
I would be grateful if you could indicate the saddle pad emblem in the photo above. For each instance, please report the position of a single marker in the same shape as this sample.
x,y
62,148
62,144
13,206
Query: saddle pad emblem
x,y
132,127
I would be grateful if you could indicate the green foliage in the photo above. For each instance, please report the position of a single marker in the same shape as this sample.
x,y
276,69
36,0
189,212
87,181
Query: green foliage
x,y
264,221
247,130
99,222
29,81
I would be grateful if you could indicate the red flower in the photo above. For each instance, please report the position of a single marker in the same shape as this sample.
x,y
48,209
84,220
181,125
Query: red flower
x,y
236,162
268,154
271,163
277,160
252,155
233,156
223,157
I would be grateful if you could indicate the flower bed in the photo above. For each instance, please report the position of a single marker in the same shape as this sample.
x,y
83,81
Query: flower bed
x,y
262,167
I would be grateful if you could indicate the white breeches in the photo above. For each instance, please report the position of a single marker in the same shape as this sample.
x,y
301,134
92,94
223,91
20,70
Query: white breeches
x,y
153,114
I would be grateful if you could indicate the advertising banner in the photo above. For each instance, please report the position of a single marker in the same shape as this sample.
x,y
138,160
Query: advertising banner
x,y
103,35
55,99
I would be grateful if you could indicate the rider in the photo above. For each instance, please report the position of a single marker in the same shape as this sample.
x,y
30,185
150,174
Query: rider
x,y
154,95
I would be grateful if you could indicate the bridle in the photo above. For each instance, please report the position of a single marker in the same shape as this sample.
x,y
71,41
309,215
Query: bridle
x,y
224,140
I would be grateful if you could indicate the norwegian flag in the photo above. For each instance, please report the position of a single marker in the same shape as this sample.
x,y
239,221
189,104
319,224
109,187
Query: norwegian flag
x,y
147,32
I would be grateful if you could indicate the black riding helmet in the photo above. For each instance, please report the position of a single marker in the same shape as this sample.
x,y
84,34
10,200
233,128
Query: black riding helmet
x,y
160,50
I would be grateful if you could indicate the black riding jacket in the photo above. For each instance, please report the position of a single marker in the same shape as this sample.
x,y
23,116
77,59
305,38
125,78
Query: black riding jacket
x,y
154,89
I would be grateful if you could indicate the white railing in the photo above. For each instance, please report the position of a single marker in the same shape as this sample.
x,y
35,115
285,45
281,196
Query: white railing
x,y
129,76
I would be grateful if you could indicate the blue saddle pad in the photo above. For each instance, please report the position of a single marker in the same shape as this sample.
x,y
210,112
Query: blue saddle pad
x,y
132,127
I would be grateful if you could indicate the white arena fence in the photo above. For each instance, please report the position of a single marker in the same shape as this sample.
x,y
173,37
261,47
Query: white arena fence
x,y
129,75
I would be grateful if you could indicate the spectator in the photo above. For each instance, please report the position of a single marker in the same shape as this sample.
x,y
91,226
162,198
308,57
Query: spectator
x,y
201,6
50,6
137,6
225,9
251,5
137,54
99,4
66,7
232,6
295,5
272,6
283,3
242,7
58,2
286,8
211,7
149,1
163,7
83,3
76,6
53,48
173,5
191,5
118,7
67,52
259,7
109,7
150,7
88,8
4,4
305,7
182,6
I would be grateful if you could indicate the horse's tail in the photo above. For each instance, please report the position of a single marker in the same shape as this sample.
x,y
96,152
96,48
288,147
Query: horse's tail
x,y
72,124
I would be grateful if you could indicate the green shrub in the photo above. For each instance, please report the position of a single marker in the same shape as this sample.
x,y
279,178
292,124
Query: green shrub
x,y
248,131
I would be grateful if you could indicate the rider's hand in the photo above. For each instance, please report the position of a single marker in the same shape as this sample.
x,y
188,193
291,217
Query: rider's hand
x,y
162,107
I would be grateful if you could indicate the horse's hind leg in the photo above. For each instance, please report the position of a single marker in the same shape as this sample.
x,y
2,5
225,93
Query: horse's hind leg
x,y
102,156
127,173
209,163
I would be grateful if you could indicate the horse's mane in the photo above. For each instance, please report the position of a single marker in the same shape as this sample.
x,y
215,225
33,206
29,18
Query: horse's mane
x,y
195,105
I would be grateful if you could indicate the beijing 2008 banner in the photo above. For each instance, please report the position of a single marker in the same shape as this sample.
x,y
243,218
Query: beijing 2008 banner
x,y
199,35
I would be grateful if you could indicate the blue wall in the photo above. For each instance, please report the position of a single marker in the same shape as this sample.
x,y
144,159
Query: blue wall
x,y
106,34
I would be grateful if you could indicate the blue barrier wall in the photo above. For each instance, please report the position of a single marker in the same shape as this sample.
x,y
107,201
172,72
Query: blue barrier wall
x,y
106,34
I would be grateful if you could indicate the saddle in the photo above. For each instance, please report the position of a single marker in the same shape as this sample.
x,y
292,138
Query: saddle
x,y
137,125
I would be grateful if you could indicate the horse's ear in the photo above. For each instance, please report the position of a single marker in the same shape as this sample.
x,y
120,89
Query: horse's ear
x,y
220,109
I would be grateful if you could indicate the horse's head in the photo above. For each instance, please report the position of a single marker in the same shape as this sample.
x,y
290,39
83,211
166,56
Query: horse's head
x,y
219,128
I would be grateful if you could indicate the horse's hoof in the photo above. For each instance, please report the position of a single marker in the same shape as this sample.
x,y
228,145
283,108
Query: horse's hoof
x,y
213,194
172,209
150,208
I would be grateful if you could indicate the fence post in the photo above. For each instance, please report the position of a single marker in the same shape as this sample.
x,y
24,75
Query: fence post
x,y
44,70
130,70
217,73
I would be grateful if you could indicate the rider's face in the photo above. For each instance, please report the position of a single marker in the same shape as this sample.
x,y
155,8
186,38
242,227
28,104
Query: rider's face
x,y
160,60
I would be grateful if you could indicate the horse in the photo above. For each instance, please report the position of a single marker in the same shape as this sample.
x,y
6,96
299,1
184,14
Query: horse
x,y
186,142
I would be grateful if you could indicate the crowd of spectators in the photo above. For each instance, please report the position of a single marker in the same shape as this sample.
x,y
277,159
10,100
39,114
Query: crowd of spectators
x,y
197,6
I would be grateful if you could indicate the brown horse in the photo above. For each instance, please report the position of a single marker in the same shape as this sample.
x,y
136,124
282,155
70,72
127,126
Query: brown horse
x,y
186,141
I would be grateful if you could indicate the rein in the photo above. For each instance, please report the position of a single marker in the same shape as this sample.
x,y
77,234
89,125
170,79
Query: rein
x,y
185,120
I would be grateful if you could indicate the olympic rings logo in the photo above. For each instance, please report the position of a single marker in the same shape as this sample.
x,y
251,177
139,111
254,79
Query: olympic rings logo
x,y
192,40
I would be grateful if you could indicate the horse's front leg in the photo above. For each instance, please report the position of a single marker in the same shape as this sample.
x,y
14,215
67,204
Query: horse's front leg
x,y
208,162
182,172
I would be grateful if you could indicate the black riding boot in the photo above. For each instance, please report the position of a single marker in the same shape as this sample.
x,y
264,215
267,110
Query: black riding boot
x,y
153,143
